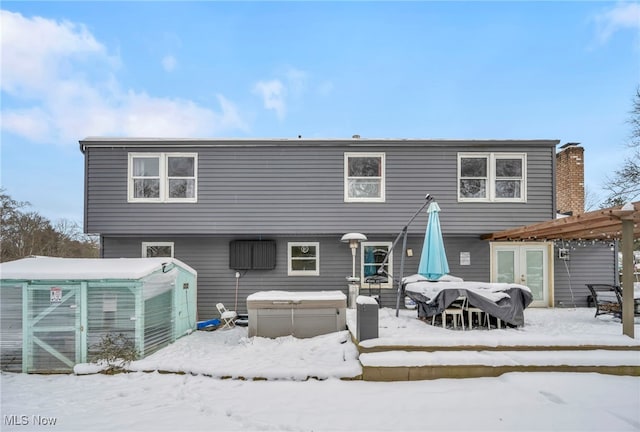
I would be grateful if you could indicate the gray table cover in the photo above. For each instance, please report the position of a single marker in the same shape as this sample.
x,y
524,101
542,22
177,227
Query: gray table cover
x,y
509,310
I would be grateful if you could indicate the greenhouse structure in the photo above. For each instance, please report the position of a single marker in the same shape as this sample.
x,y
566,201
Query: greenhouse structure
x,y
54,311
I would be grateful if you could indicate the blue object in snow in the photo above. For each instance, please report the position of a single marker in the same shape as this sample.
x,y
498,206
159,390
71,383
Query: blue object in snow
x,y
211,322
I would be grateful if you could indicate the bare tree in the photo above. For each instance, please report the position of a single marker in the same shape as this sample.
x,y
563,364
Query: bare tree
x,y
624,186
24,234
591,199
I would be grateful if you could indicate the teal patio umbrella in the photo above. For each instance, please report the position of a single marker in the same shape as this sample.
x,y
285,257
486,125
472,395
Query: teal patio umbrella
x,y
433,260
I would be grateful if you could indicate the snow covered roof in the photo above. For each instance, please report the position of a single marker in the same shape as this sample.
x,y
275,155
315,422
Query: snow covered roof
x,y
52,268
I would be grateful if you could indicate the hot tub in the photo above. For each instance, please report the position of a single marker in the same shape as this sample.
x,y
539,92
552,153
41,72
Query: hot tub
x,y
301,314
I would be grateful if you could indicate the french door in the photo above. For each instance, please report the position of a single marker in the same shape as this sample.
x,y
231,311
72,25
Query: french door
x,y
526,264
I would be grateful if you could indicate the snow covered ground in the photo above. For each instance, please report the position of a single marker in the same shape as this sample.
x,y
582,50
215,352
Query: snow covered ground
x,y
230,353
287,401
157,402
543,327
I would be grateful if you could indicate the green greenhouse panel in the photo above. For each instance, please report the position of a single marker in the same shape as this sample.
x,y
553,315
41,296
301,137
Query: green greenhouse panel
x,y
55,311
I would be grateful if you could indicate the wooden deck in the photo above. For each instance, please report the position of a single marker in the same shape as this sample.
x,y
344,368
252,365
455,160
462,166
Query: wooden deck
x,y
474,361
553,340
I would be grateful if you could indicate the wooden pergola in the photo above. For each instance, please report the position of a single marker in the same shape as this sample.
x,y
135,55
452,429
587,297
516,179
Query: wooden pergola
x,y
615,223
595,225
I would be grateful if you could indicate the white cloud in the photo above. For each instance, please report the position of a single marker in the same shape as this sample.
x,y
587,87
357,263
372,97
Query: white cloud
x,y
35,52
149,116
169,63
621,16
273,96
31,123
278,93
297,81
63,86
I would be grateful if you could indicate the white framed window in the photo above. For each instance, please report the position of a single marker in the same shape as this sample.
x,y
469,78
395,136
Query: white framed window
x,y
163,177
364,177
371,258
303,258
157,249
492,177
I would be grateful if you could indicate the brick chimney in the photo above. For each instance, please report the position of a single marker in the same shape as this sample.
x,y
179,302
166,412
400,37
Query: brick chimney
x,y
570,179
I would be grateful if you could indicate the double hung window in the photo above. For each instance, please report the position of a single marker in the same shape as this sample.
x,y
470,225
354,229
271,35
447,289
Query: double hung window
x,y
492,177
304,258
364,177
163,177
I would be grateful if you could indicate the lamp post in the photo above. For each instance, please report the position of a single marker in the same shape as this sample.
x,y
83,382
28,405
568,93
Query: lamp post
x,y
353,239
354,288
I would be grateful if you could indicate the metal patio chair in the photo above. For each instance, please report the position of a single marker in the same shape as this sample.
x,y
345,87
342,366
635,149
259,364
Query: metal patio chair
x,y
607,299
228,317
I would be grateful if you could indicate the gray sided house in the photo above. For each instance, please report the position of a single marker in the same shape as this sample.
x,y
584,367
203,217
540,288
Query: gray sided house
x,y
267,214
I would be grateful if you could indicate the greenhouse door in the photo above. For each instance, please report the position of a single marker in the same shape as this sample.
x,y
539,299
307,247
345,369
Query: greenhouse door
x,y
53,328
525,264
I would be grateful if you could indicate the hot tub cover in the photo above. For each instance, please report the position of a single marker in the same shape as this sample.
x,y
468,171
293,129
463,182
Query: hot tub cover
x,y
296,299
297,296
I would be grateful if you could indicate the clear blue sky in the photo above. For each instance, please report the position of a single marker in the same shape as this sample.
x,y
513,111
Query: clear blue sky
x,y
553,70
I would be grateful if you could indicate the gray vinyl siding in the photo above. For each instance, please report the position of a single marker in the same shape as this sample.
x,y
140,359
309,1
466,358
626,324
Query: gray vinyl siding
x,y
479,251
590,263
294,191
209,256
297,189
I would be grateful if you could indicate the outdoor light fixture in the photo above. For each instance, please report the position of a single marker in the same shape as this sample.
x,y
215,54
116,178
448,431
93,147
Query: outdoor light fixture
x,y
353,239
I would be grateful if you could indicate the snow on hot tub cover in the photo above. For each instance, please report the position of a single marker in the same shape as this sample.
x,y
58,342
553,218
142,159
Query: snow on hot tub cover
x,y
54,268
296,296
506,301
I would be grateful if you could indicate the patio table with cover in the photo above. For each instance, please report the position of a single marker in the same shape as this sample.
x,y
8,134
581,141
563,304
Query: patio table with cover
x,y
505,301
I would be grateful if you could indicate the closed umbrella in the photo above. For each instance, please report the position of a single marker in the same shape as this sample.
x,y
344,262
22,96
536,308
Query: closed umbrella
x,y
433,260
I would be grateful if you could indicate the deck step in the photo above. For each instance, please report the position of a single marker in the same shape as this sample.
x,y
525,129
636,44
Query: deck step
x,y
400,365
433,348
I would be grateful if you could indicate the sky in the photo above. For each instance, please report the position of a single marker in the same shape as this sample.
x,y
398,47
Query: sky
x,y
453,70
288,401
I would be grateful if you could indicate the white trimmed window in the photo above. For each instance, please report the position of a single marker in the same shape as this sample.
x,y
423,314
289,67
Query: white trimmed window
x,y
157,249
364,177
303,258
492,177
371,258
163,177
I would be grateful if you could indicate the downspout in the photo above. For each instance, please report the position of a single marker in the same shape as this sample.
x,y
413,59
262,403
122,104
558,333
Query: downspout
x,y
554,186
86,199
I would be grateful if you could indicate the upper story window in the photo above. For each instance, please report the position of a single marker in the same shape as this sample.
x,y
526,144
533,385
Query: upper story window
x,y
163,177
364,177
157,249
492,177
304,258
